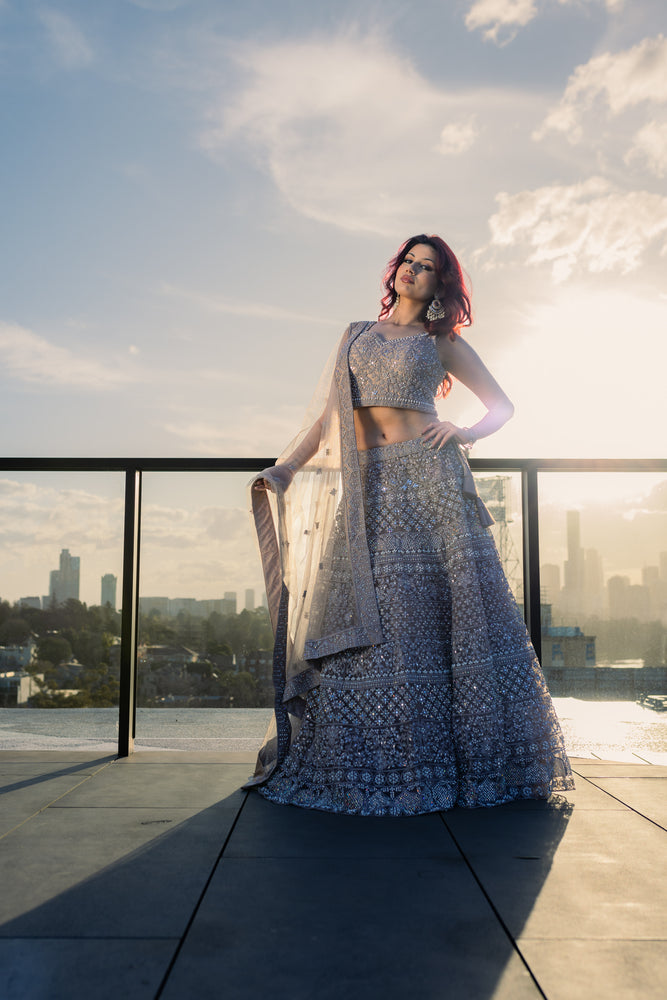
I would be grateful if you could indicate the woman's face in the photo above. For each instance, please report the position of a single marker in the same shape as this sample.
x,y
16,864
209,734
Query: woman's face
x,y
416,277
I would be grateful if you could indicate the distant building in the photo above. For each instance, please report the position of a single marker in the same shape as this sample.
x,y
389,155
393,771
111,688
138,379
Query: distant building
x,y
567,646
583,584
64,582
187,604
229,602
663,566
550,581
564,645
17,657
109,582
628,600
167,656
16,687
265,601
250,599
574,564
159,604
593,582
617,596
657,589
30,602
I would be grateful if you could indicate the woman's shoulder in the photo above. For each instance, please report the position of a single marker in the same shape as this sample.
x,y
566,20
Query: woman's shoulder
x,y
356,327
450,346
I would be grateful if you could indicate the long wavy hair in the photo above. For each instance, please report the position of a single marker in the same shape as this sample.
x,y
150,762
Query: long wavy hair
x,y
452,291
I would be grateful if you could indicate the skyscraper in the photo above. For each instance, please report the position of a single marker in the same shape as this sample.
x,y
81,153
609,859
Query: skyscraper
x,y
109,582
64,582
574,564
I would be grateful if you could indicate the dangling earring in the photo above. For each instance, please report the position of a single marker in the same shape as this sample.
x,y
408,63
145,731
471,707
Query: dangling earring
x,y
435,311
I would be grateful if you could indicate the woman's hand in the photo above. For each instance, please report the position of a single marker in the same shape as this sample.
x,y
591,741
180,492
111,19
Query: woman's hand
x,y
284,474
441,431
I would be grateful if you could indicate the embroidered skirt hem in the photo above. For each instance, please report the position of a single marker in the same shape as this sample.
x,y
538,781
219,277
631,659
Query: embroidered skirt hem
x,y
452,708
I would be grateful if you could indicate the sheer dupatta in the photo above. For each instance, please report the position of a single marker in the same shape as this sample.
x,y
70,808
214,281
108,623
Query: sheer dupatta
x,y
293,529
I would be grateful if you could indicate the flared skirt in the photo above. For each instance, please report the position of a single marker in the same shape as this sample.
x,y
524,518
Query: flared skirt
x,y
452,708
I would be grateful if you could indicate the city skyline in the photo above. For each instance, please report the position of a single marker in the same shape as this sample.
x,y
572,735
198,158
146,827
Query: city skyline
x,y
584,589
193,545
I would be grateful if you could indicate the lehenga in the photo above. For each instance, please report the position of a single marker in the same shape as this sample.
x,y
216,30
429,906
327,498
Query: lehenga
x,y
405,679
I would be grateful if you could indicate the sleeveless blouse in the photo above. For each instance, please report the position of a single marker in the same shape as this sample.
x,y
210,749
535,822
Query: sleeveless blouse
x,y
403,372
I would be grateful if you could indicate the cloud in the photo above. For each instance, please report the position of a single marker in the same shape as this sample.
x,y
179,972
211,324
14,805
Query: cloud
x,y
650,146
70,45
458,137
240,437
496,15
44,518
254,310
198,550
30,358
499,19
622,80
160,5
594,226
190,545
360,147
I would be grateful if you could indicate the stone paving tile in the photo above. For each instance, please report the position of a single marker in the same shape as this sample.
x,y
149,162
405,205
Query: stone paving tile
x,y
25,793
56,756
332,928
144,755
605,769
157,784
94,870
275,831
71,969
598,970
646,795
11,770
575,880
591,876
584,796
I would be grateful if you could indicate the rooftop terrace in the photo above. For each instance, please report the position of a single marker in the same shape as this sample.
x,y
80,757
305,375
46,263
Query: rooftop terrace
x,y
156,876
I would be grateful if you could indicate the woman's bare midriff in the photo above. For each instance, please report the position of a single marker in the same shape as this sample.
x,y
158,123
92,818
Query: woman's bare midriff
x,y
379,425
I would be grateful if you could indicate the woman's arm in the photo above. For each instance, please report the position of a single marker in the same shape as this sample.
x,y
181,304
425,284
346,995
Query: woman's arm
x,y
285,472
461,361
309,444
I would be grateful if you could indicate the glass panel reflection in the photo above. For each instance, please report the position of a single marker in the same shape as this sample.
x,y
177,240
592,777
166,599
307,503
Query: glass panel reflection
x,y
502,495
603,574
205,638
61,561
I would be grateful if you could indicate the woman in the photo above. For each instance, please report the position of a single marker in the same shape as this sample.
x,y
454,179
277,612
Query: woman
x,y
405,678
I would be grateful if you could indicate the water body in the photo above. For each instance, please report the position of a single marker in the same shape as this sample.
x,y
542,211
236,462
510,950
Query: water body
x,y
612,730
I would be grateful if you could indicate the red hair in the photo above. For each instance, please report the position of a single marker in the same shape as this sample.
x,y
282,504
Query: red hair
x,y
452,290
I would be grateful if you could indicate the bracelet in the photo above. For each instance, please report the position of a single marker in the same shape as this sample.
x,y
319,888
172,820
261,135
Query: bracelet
x,y
472,437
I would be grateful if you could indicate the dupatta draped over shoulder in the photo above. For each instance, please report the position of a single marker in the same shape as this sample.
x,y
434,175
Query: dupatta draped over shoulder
x,y
294,528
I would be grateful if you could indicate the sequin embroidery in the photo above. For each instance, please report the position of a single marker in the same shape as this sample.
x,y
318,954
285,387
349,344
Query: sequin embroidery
x,y
452,708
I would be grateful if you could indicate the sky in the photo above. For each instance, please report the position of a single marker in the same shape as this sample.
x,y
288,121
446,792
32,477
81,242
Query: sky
x,y
198,196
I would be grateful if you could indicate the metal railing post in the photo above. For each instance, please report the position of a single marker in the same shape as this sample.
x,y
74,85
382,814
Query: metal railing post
x,y
531,556
130,614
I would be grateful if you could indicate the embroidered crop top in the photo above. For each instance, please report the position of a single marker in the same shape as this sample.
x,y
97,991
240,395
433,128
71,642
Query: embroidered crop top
x,y
403,372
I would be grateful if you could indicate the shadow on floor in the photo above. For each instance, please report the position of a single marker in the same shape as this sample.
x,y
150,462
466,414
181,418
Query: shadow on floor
x,y
245,896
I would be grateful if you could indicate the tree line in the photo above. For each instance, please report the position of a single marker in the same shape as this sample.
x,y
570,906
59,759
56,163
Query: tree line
x,y
78,650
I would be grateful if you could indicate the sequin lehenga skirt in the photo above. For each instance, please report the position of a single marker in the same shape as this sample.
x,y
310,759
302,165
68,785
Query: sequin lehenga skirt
x,y
452,709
